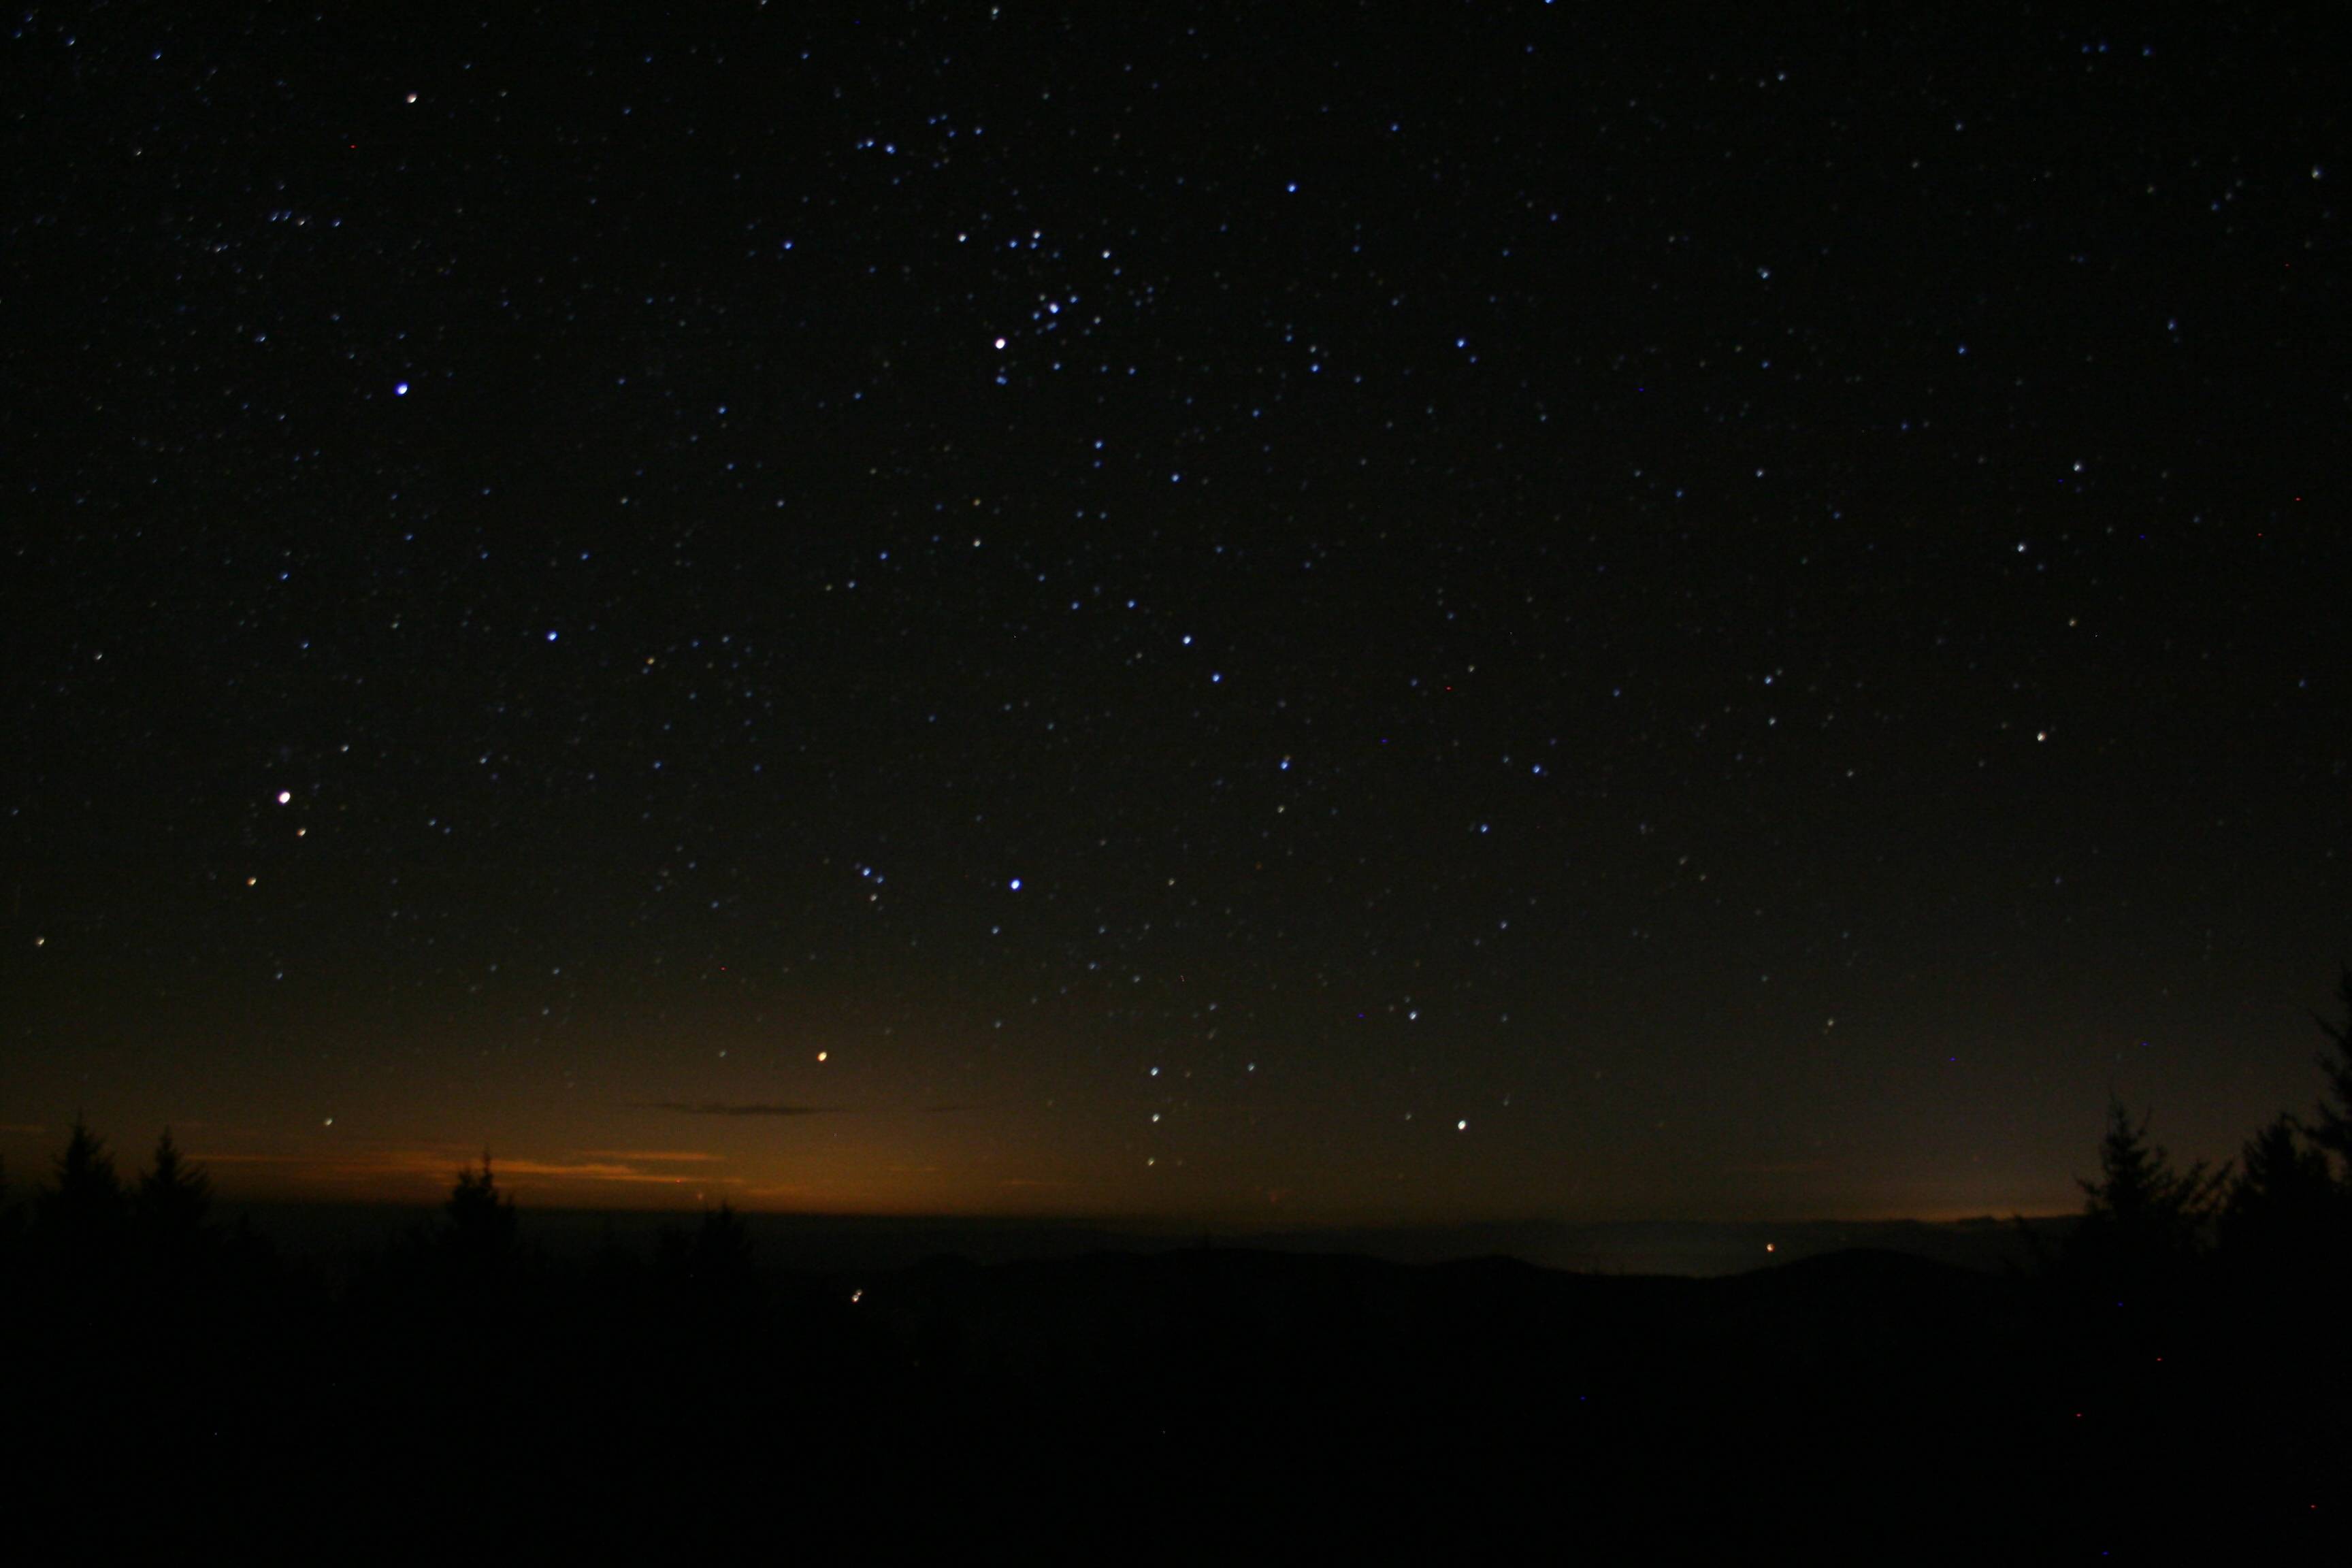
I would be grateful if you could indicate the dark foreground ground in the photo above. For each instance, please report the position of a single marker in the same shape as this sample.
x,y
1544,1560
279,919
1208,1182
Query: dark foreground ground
x,y
470,1401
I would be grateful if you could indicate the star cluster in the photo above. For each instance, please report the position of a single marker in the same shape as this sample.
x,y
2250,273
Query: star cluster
x,y
1489,610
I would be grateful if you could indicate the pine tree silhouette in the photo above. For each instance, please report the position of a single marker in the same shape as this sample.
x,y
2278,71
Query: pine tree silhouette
x,y
83,1207
721,1258
480,1238
173,1198
2284,1203
711,1264
2333,1131
2141,1217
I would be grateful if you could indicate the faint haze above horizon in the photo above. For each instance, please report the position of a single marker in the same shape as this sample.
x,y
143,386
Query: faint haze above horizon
x,y
685,1181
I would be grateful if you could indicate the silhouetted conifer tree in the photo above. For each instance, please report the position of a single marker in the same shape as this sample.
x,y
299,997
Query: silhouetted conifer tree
x,y
84,1204
715,1257
2333,1131
480,1238
721,1258
2284,1203
173,1197
2140,1216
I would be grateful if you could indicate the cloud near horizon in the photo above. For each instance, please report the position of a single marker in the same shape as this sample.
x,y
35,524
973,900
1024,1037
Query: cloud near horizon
x,y
375,1165
655,1156
729,1108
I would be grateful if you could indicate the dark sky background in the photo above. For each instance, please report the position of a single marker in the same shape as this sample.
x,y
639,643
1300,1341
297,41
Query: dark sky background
x,y
1408,613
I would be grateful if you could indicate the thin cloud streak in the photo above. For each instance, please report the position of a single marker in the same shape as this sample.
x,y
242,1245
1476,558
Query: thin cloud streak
x,y
726,1107
654,1156
439,1166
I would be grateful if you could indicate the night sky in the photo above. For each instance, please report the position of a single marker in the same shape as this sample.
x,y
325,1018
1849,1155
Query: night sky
x,y
1372,613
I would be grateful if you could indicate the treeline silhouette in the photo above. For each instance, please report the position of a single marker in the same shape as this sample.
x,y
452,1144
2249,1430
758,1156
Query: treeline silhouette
x,y
2170,1372
2202,1313
171,1381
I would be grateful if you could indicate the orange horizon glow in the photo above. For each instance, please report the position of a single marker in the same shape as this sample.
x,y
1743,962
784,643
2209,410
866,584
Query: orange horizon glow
x,y
892,1164
420,1178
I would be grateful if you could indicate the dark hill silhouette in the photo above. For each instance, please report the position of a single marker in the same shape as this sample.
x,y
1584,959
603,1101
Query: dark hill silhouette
x,y
461,1392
